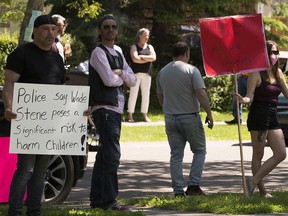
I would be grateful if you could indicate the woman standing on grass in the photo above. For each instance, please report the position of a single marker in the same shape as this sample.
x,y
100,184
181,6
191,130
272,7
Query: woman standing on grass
x,y
142,55
263,90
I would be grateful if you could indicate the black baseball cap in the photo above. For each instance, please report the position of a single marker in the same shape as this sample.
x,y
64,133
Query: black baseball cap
x,y
105,17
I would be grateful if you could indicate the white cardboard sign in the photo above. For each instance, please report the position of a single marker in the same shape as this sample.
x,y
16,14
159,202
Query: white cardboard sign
x,y
49,119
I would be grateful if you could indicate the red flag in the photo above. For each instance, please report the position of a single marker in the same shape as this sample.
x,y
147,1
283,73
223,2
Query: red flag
x,y
233,44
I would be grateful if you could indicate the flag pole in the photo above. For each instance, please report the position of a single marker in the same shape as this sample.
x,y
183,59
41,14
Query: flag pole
x,y
240,137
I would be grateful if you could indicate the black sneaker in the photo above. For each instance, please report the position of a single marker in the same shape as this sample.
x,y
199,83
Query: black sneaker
x,y
194,190
234,121
179,195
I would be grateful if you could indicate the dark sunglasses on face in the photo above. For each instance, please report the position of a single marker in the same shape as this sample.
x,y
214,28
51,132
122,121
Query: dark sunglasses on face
x,y
275,52
106,27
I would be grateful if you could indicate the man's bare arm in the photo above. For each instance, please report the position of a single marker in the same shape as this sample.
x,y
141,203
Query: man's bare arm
x,y
203,99
10,78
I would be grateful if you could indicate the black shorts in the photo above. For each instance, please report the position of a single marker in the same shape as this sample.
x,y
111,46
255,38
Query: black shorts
x,y
262,116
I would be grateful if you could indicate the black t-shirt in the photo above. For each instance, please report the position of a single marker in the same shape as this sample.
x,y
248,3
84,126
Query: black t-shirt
x,y
36,65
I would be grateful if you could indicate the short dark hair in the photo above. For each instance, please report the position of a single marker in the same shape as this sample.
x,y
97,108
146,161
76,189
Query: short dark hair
x,y
179,48
105,17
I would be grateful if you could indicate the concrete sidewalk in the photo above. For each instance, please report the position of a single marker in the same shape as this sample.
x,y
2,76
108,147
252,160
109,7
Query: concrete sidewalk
x,y
129,124
144,172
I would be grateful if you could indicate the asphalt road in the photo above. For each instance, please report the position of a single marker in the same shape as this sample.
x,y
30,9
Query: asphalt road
x,y
144,171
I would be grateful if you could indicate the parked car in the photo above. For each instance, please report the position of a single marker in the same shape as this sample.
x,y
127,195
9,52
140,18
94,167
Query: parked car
x,y
63,171
282,115
282,107
283,58
78,75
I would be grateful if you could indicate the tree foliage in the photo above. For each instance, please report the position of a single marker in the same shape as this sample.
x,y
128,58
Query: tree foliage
x,y
14,11
7,44
281,8
83,9
276,31
165,19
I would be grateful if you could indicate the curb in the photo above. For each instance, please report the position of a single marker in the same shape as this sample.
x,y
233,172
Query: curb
x,y
160,123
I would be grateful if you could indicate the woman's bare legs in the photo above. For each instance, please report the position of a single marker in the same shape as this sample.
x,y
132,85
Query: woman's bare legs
x,y
276,142
130,117
258,145
145,118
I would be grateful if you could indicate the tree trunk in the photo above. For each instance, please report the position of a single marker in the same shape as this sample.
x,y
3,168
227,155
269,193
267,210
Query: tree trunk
x,y
31,5
147,6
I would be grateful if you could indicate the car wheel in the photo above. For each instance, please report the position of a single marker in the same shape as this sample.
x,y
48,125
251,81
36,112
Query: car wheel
x,y
59,179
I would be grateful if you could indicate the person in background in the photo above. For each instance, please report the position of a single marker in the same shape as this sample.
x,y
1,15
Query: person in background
x,y
108,72
142,55
58,46
242,90
181,91
33,62
262,92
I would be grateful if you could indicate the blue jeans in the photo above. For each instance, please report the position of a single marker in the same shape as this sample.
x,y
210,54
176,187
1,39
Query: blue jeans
x,y
181,129
242,90
30,174
104,184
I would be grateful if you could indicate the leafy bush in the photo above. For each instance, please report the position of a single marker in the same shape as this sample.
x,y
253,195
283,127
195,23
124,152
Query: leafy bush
x,y
7,44
79,52
220,90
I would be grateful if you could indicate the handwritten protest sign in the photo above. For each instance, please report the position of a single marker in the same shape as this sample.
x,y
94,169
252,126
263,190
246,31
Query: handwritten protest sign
x,y
233,44
49,119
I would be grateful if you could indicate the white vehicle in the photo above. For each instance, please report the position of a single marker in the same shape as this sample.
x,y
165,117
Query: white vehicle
x,y
283,57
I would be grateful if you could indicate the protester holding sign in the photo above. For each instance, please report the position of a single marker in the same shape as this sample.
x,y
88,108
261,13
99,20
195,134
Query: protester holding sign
x,y
33,62
108,72
262,92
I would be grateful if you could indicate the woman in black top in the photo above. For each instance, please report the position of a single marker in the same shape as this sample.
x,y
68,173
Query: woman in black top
x,y
262,92
142,55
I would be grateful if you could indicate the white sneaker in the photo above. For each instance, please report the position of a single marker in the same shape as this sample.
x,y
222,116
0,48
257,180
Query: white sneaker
x,y
268,195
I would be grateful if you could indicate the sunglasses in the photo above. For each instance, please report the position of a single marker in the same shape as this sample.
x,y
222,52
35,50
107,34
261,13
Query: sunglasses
x,y
275,52
106,27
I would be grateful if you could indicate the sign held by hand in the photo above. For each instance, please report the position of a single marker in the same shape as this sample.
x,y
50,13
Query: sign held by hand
x,y
49,119
233,44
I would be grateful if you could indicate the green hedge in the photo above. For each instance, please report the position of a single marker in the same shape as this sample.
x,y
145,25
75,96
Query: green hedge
x,y
7,44
220,90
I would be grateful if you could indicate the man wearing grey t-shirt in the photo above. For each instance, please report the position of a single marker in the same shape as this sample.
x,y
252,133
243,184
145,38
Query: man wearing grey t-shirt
x,y
181,92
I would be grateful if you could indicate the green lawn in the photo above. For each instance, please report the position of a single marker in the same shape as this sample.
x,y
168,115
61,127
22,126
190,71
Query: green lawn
x,y
221,203
157,133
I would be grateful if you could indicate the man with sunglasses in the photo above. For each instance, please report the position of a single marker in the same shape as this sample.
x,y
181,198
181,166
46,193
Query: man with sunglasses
x,y
108,72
